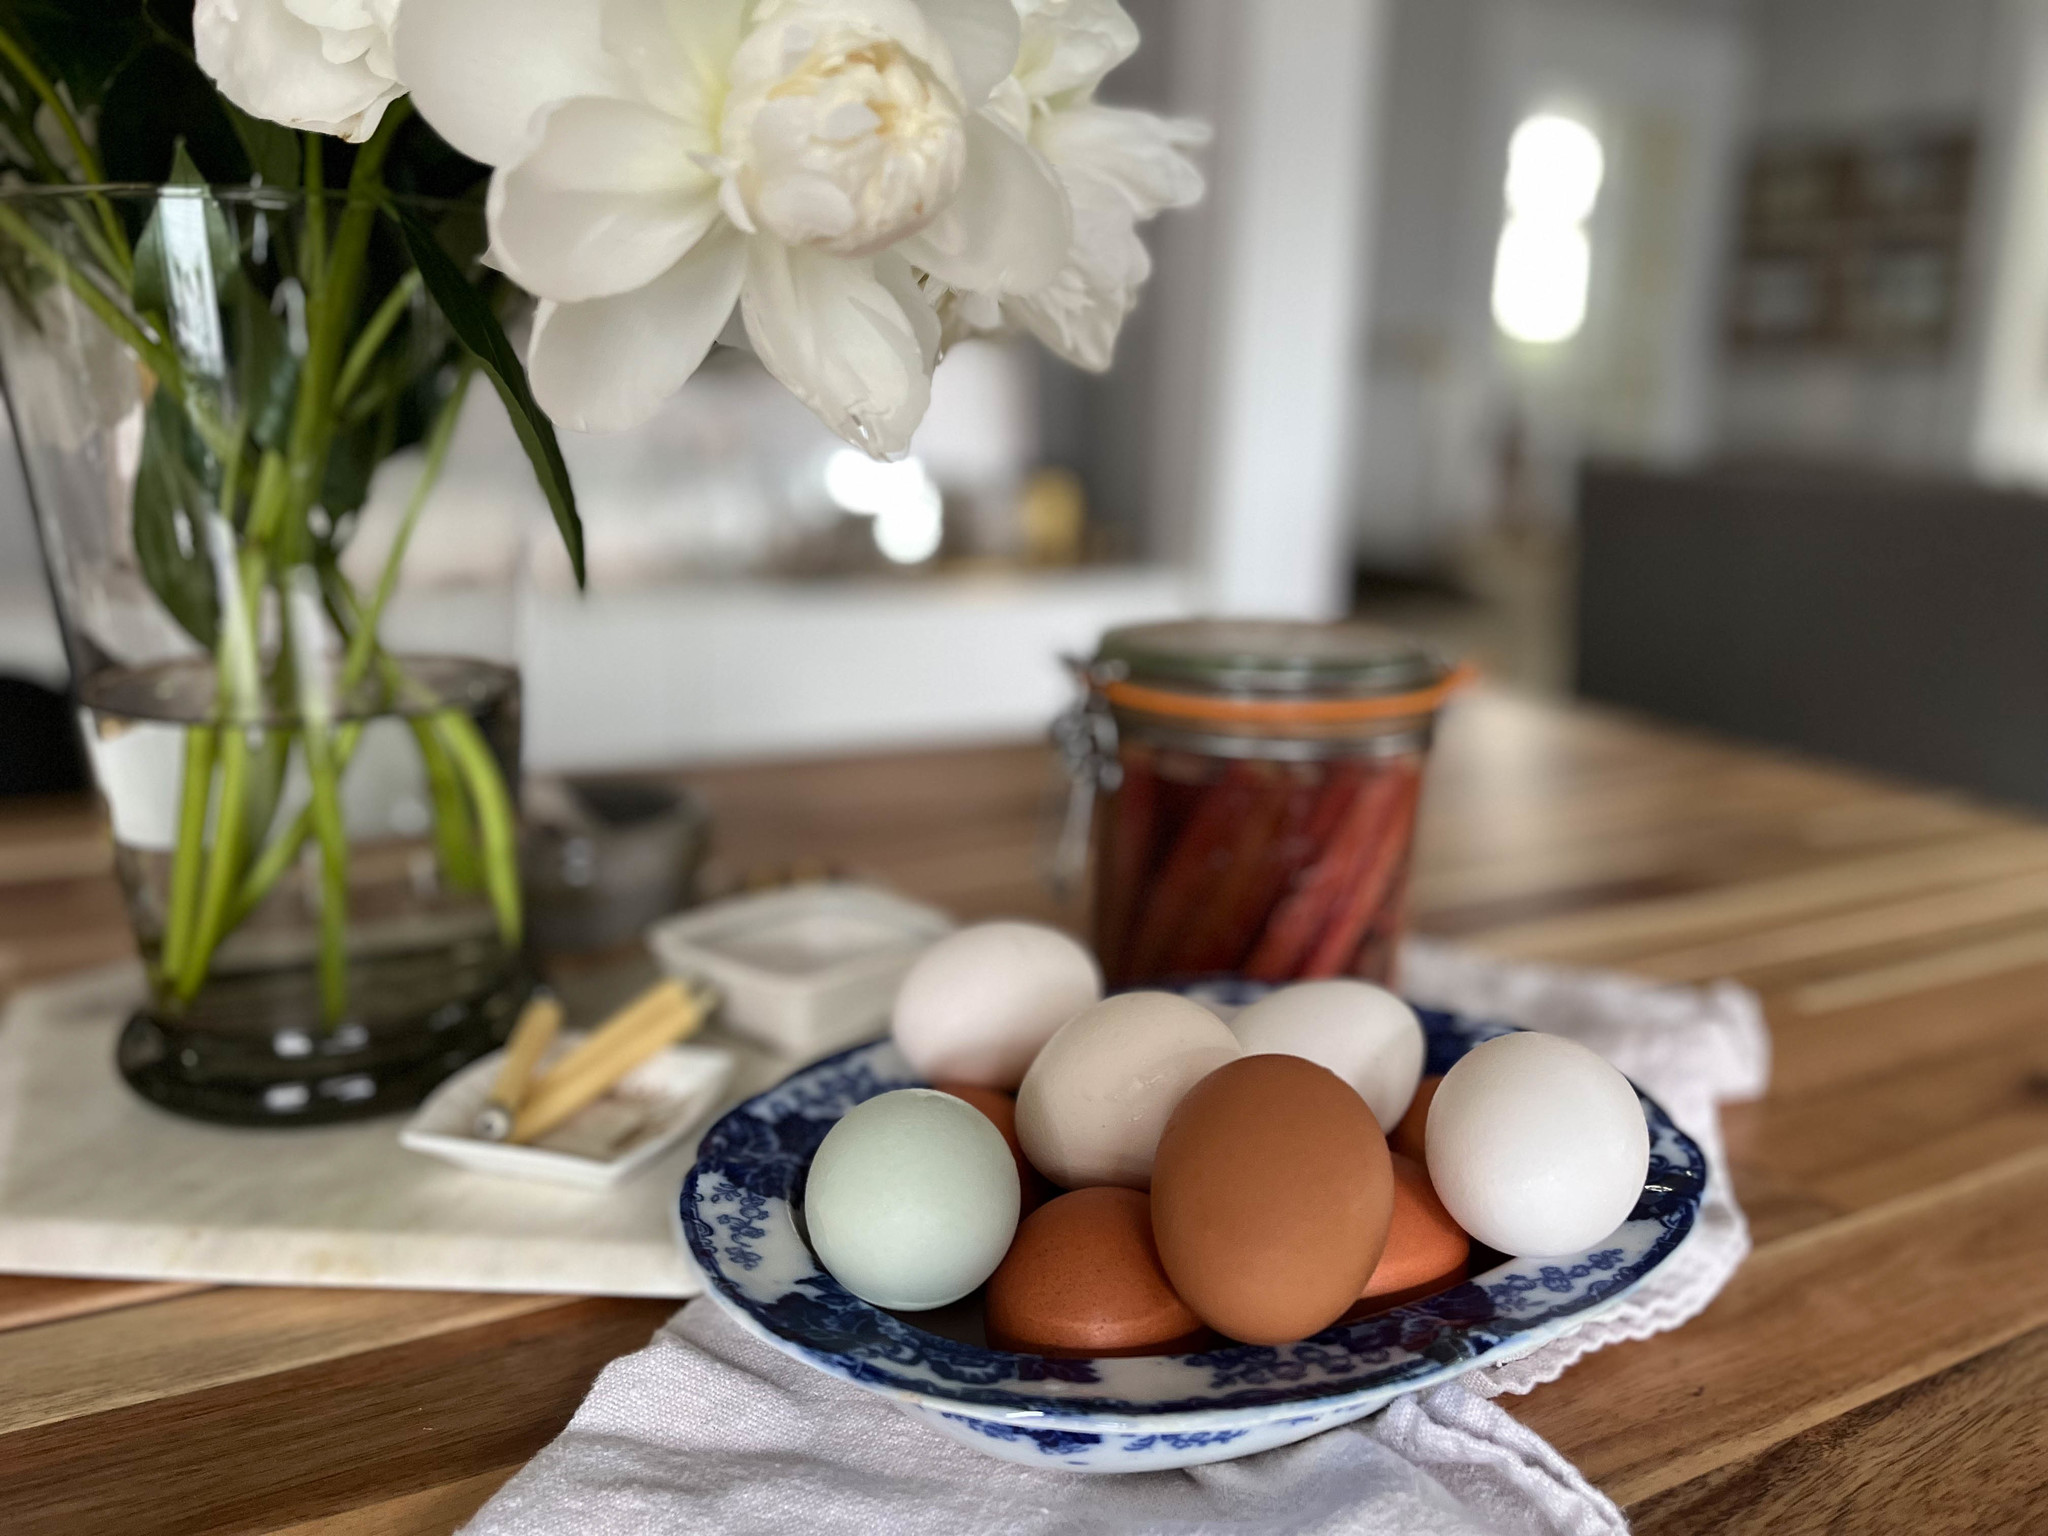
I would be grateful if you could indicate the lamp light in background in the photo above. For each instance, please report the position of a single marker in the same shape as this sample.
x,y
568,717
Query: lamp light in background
x,y
902,498
1543,265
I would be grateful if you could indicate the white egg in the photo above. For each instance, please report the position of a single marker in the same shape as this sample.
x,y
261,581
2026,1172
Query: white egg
x,y
1094,1102
980,1003
1361,1032
1537,1146
912,1199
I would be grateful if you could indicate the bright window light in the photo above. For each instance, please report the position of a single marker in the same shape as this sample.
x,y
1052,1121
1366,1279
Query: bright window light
x,y
1539,280
1544,263
1555,167
902,498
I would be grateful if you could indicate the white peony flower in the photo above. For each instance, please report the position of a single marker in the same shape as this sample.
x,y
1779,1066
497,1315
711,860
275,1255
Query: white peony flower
x,y
1119,168
321,65
660,162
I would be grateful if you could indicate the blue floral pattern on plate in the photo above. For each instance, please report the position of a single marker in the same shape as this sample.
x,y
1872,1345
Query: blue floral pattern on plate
x,y
740,1221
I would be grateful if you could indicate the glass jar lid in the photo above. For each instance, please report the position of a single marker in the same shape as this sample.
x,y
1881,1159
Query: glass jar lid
x,y
1274,659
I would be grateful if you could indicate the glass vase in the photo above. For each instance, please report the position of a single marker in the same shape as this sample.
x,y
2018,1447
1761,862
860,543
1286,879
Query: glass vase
x,y
315,832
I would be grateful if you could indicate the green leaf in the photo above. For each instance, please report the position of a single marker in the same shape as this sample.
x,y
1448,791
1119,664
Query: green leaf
x,y
266,371
352,461
478,330
155,263
273,149
171,507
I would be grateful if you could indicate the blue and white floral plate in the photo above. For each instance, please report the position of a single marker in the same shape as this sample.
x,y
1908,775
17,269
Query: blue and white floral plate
x,y
739,1220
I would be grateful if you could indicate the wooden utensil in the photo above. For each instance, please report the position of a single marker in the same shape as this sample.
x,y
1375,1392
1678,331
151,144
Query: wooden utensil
x,y
539,1022
652,1023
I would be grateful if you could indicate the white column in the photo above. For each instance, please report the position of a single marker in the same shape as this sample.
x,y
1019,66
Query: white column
x,y
2009,336
1262,374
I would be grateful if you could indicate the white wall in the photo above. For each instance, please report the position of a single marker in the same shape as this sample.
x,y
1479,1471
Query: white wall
x,y
2009,438
1847,67
688,673
1264,318
1661,85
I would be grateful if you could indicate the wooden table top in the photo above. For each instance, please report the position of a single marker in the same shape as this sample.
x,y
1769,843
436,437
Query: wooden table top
x,y
1879,1363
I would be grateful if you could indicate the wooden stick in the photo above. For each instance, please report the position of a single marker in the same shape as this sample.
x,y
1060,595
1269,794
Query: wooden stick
x,y
657,1002
650,1026
538,1024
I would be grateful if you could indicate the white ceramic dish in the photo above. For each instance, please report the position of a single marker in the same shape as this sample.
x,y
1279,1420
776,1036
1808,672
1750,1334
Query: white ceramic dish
x,y
652,1108
806,970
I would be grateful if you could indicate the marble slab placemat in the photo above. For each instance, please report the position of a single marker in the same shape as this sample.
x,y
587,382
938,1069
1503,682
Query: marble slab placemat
x,y
96,1182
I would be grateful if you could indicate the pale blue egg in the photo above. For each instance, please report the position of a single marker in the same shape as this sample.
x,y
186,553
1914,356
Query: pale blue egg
x,y
912,1199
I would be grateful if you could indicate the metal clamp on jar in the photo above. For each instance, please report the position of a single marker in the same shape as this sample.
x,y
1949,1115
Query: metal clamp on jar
x,y
1252,787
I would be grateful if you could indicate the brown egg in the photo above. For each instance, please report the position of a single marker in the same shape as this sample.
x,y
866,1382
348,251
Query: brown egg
x,y
1271,1196
1426,1250
1082,1278
1407,1136
1001,1108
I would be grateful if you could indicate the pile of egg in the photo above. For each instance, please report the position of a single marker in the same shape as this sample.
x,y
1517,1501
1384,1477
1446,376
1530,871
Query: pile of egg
x,y
1135,1176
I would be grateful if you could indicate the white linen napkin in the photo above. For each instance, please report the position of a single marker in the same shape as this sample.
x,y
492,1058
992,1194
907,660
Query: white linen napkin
x,y
709,1430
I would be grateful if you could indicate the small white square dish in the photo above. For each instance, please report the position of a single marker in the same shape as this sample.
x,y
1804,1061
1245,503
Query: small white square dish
x,y
643,1115
806,970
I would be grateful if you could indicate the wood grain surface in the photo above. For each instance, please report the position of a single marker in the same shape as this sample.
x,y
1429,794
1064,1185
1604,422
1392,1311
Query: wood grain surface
x,y
1877,1366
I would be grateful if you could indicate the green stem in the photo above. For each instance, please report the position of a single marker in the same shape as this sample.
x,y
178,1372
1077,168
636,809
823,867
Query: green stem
x,y
224,866
325,810
219,440
15,54
88,162
454,839
277,857
183,899
267,501
300,595
267,787
314,176
91,225
494,816
439,437
329,308
59,266
374,335
375,396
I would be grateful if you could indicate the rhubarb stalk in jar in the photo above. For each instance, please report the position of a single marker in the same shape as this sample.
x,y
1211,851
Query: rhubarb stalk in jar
x,y
1259,788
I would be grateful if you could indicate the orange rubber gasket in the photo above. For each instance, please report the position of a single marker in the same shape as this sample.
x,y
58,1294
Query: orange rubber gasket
x,y
1243,711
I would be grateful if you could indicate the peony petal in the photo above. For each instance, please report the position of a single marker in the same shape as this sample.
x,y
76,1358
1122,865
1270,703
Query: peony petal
x,y
273,65
895,274
606,201
605,365
840,341
481,69
1008,229
914,25
1136,152
1079,313
678,51
1118,167
982,36
1069,45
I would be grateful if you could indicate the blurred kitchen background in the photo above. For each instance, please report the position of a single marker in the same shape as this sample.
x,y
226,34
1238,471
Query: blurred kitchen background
x,y
1691,355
